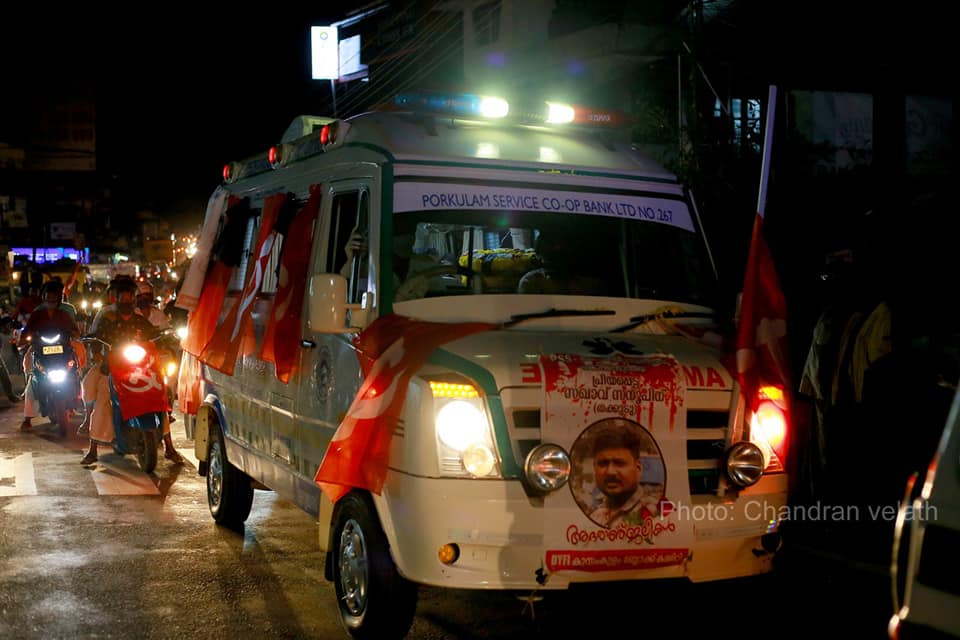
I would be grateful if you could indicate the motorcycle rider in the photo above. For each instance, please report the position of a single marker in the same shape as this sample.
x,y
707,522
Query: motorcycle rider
x,y
113,326
21,313
51,300
148,309
46,320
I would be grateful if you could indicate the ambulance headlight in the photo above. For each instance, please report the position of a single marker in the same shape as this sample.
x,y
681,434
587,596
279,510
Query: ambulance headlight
x,y
464,439
547,467
478,460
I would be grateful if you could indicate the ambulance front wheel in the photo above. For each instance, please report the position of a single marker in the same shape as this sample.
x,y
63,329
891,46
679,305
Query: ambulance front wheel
x,y
229,490
375,600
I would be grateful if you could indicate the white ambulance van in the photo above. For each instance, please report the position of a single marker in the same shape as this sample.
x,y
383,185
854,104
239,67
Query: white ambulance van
x,y
591,432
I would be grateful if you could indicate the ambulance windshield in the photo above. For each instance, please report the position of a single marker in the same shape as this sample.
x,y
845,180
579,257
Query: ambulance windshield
x,y
457,252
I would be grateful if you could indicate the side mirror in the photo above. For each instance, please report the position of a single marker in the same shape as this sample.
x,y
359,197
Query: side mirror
x,y
329,306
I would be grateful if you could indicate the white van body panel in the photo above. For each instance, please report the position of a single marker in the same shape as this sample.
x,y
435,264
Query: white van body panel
x,y
278,433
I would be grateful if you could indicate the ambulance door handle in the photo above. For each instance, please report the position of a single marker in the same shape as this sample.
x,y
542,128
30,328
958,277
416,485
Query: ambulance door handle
x,y
308,344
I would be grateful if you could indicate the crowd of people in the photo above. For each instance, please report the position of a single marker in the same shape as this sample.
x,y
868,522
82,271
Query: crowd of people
x,y
131,312
880,373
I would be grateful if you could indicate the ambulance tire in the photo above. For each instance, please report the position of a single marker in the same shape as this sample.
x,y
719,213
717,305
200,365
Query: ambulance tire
x,y
375,601
229,490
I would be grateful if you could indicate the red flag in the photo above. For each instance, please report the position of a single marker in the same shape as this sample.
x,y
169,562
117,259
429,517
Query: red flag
x,y
73,278
229,247
203,320
188,384
281,340
139,387
762,330
222,349
397,347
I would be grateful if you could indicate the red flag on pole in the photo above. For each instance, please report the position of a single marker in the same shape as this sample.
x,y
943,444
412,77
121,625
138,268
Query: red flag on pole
x,y
761,334
222,349
73,278
281,340
391,350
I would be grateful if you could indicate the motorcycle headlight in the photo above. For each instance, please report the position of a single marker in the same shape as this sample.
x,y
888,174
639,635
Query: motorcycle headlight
x,y
464,439
56,376
50,339
171,369
134,353
182,332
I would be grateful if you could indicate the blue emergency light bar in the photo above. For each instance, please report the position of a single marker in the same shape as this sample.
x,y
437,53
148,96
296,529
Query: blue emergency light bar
x,y
473,106
467,106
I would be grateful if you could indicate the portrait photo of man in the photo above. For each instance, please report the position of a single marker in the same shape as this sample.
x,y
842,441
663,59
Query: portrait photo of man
x,y
618,473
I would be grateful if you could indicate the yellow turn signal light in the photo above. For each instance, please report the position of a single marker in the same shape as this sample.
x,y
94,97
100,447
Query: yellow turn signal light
x,y
449,553
452,390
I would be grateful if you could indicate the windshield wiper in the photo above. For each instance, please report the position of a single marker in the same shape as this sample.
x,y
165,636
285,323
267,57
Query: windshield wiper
x,y
556,313
636,321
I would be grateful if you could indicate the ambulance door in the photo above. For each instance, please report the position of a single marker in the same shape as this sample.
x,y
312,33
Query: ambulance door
x,y
330,372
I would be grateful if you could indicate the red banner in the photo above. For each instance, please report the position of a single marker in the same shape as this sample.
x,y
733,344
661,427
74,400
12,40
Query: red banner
x,y
281,341
203,320
139,386
67,288
222,350
188,384
762,330
397,347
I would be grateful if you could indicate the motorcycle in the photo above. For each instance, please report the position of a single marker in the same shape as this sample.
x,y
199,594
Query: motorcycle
x,y
87,312
168,345
138,399
56,379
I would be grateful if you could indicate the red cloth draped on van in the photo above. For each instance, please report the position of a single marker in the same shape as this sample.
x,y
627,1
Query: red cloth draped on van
x,y
391,351
281,340
222,350
228,250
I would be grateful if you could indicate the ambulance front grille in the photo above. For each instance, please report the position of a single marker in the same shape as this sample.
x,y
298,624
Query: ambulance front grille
x,y
706,443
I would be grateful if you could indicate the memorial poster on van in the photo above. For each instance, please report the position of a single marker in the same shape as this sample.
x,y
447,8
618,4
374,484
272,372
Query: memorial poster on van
x,y
623,421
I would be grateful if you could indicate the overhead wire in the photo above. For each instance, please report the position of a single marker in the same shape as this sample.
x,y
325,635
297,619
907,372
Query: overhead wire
x,y
424,25
441,25
391,48
398,85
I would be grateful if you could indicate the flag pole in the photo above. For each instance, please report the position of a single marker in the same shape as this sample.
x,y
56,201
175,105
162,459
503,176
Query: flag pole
x,y
767,150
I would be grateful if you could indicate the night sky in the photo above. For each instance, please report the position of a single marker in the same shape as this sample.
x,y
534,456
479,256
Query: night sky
x,y
179,91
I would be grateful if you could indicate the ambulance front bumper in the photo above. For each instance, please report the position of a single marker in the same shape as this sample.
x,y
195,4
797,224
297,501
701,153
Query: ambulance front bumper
x,y
499,531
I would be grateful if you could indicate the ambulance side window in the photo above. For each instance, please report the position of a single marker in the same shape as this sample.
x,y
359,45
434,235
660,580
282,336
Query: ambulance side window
x,y
349,217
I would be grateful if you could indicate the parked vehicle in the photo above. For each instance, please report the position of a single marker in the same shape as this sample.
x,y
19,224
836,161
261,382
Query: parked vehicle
x,y
925,584
433,223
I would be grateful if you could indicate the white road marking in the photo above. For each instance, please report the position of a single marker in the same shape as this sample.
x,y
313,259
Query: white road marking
x,y
20,470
